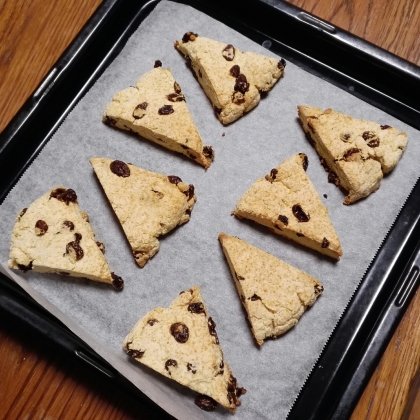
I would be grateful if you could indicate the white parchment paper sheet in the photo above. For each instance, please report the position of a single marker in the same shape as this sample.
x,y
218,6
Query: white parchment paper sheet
x,y
274,373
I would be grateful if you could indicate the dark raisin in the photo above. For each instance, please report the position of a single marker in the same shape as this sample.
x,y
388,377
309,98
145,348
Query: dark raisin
x,y
373,143
208,151
205,402
188,211
166,110
170,362
325,195
217,110
196,308
189,36
152,321
22,212
158,63
212,329
281,64
229,52
332,178
384,127
120,168
221,368
190,192
174,179
235,71
74,250
77,237
254,297
299,213
234,391
304,161
69,225
284,219
318,289
139,111
350,152
241,84
25,268
367,135
41,228
240,391
325,243
273,173
175,97
137,354
65,195
191,368
101,246
117,282
110,121
180,332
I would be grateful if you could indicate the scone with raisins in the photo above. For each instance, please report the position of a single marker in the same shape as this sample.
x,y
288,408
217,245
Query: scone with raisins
x,y
288,204
181,343
156,110
274,294
52,235
231,79
356,153
147,204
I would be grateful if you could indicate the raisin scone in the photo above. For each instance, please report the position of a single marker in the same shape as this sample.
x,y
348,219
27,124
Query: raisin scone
x,y
231,79
274,294
181,343
147,204
156,110
287,202
52,235
356,153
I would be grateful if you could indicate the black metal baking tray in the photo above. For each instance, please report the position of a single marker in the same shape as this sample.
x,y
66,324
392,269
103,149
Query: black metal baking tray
x,y
360,68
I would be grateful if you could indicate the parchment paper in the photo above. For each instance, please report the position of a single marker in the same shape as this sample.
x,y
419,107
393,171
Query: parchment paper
x,y
274,373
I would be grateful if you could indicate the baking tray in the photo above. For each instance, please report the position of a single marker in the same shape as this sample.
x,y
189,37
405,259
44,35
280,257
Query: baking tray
x,y
352,352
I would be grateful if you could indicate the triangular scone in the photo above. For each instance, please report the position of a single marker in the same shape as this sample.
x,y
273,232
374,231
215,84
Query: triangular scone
x,y
156,110
52,235
355,152
286,202
231,79
274,294
147,204
181,343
